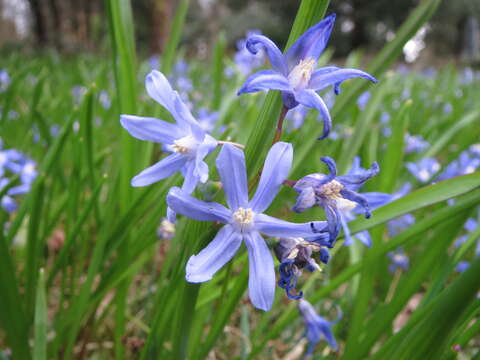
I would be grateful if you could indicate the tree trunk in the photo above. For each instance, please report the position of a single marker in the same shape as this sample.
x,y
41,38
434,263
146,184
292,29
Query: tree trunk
x,y
40,25
161,15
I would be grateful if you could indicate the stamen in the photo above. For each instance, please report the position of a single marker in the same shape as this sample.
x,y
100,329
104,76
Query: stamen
x,y
185,145
300,75
243,218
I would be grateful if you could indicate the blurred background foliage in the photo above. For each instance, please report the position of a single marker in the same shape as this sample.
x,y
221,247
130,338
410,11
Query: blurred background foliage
x,y
75,26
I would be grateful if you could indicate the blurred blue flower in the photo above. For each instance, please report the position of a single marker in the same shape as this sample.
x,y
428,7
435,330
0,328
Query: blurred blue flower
x,y
4,80
207,119
317,328
415,143
295,117
465,164
104,99
166,230
246,61
244,220
447,108
335,194
362,100
294,73
462,266
14,162
424,169
400,223
399,260
154,62
295,254
187,141
77,92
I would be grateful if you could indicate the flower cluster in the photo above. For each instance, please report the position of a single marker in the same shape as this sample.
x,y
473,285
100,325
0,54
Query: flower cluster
x,y
14,163
188,142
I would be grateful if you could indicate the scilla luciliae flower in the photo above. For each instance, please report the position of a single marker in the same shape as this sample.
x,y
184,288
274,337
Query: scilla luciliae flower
x,y
295,254
295,73
333,193
188,143
317,328
244,220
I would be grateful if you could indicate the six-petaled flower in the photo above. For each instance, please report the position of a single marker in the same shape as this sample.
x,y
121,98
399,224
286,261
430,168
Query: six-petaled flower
x,y
317,328
188,143
295,73
244,220
334,194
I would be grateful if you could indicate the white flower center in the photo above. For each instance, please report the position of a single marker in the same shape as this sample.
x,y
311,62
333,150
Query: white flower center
x,y
300,75
332,190
424,175
243,218
186,145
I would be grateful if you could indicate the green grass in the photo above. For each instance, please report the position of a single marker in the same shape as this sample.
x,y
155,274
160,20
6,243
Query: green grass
x,y
83,273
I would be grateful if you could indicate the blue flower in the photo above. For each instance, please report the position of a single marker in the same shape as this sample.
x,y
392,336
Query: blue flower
x,y
4,80
207,119
424,169
399,260
415,143
397,225
296,117
294,73
466,163
294,255
374,199
462,266
245,60
186,140
104,99
244,220
334,194
317,328
362,100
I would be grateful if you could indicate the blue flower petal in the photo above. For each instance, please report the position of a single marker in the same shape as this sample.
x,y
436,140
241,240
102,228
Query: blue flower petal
x,y
233,174
201,168
346,231
306,199
265,80
8,204
185,119
359,199
326,329
151,129
275,170
191,179
364,237
359,177
261,278
311,99
333,220
219,251
275,227
311,43
273,52
159,89
196,209
321,79
161,170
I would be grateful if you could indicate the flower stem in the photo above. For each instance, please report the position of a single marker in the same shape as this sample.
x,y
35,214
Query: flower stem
x,y
240,146
278,130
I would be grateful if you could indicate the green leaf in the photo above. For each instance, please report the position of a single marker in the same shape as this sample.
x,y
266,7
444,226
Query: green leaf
x,y
175,34
40,323
12,313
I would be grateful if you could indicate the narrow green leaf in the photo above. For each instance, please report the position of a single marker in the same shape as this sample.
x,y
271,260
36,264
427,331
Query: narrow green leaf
x,y
40,323
12,315
168,57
